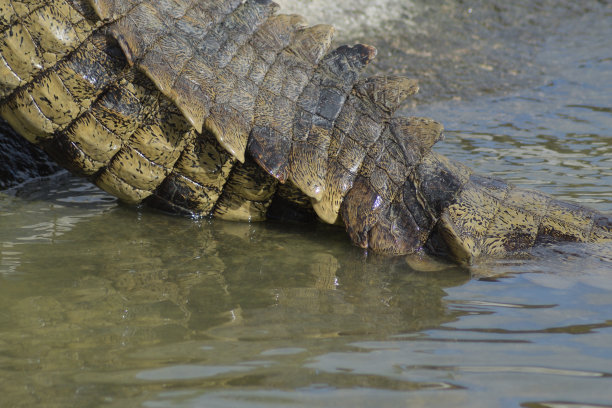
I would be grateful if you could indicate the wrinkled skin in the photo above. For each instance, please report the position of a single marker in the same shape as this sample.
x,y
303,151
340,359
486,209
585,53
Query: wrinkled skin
x,y
226,108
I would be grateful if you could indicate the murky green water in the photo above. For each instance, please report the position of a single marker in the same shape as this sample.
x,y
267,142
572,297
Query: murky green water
x,y
107,305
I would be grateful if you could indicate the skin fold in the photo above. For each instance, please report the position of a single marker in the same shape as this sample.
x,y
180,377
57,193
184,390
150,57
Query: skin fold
x,y
226,108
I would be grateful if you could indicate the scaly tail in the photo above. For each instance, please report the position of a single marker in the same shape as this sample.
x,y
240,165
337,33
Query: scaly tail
x,y
483,216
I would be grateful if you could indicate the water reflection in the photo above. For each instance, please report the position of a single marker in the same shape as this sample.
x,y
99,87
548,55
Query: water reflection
x,y
136,297
132,307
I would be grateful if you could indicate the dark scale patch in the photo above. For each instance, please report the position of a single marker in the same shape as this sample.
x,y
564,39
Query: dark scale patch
x,y
494,187
439,185
175,190
271,151
548,235
604,222
330,103
64,151
421,217
397,232
436,244
164,205
344,64
517,241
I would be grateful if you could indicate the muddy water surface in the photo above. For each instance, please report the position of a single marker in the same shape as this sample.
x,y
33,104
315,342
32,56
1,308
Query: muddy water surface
x,y
107,305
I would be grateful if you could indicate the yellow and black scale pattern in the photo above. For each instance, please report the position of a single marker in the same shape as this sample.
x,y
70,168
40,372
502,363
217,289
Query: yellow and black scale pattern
x,y
485,216
193,105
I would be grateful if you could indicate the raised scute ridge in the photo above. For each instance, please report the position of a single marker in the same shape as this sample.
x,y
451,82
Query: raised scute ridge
x,y
362,120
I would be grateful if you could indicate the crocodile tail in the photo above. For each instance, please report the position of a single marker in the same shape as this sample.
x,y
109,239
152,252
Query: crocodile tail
x,y
266,87
238,100
277,95
487,217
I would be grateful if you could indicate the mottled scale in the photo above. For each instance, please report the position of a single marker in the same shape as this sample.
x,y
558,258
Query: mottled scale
x,y
347,150
513,229
247,194
180,195
254,59
565,222
36,36
21,58
361,209
489,217
161,49
198,177
602,228
56,30
271,136
154,144
121,109
8,16
111,10
85,146
91,68
55,101
237,29
321,103
59,96
165,135
116,186
387,92
473,211
135,169
396,231
175,9
274,36
360,123
375,198
138,30
9,80
232,116
223,60
168,58
26,118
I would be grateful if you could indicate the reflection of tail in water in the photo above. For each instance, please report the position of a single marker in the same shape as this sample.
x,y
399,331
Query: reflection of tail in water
x,y
126,297
333,295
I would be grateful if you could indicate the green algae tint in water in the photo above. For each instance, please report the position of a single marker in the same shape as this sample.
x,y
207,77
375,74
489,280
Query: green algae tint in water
x,y
107,305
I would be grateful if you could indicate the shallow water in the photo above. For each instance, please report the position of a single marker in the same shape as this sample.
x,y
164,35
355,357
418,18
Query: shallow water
x,y
104,304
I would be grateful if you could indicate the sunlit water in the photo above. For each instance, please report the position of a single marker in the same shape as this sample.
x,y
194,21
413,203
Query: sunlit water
x,y
108,305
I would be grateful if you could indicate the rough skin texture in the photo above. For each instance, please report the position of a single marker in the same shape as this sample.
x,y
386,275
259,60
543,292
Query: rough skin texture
x,y
222,107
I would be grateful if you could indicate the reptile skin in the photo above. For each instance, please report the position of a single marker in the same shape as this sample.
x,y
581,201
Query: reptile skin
x,y
224,107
